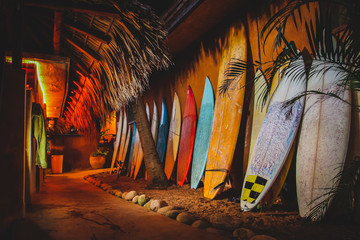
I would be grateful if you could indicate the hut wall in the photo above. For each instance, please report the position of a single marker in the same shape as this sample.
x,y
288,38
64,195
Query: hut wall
x,y
76,150
203,58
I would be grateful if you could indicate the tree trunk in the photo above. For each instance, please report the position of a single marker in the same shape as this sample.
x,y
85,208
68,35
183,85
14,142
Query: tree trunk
x,y
155,173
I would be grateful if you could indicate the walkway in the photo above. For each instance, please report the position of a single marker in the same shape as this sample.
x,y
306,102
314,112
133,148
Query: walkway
x,y
68,207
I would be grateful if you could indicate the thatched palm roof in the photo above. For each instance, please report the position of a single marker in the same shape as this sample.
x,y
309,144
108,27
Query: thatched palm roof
x,y
112,54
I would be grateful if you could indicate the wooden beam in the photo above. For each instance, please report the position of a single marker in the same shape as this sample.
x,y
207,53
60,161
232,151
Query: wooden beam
x,y
58,15
90,11
89,33
84,49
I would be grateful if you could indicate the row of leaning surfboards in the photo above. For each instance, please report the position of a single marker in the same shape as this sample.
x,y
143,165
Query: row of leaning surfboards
x,y
321,126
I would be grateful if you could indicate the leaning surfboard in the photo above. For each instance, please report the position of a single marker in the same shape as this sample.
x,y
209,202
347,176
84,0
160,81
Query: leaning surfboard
x,y
131,154
140,153
117,142
202,137
126,148
276,137
137,145
163,132
187,138
154,123
323,141
119,158
227,117
173,138
259,113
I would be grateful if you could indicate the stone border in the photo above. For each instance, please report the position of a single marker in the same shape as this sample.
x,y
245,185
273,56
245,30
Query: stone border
x,y
176,213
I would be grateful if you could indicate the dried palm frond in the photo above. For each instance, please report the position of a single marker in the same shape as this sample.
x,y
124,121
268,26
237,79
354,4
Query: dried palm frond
x,y
124,65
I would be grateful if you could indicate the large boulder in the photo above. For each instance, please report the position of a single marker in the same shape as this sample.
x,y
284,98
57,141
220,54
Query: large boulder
x,y
173,213
124,195
243,233
130,195
157,204
135,199
165,209
200,224
142,200
147,205
118,193
186,218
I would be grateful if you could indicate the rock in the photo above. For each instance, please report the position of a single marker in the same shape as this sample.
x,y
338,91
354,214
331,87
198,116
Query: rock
x,y
135,199
243,233
262,237
142,200
103,185
186,218
225,222
123,195
147,205
118,193
130,195
98,183
157,204
165,209
172,213
200,224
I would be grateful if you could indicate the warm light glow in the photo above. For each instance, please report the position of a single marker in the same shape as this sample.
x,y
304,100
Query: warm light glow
x,y
29,61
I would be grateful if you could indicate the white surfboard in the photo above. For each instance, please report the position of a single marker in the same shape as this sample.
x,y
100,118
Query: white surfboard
x,y
323,140
117,142
154,123
274,142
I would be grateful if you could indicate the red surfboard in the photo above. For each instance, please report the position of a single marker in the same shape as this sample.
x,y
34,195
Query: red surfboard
x,y
187,138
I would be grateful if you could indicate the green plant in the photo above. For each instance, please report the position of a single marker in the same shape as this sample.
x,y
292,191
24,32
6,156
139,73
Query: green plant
x,y
335,42
100,152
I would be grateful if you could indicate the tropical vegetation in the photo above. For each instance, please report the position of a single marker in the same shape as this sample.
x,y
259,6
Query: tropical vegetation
x,y
334,41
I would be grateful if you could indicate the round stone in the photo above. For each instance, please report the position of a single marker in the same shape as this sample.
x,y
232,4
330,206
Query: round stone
x,y
186,218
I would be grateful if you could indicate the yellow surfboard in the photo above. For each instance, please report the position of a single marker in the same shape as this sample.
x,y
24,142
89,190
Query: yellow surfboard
x,y
227,117
173,138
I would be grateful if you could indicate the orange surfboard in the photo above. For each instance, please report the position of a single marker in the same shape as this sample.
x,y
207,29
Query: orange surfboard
x,y
227,117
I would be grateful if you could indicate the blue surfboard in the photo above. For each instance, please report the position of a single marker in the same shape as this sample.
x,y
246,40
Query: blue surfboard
x,y
163,132
131,149
203,133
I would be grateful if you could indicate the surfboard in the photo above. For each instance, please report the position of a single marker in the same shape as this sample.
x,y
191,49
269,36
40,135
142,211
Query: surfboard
x,y
140,153
135,153
154,123
119,158
163,132
259,113
226,121
131,154
323,140
187,138
173,138
117,142
274,142
203,132
126,149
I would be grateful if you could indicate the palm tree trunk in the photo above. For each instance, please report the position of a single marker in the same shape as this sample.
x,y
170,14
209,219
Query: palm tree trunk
x,y
155,174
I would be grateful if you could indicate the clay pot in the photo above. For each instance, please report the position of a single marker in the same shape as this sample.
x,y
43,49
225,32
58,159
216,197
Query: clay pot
x,y
97,162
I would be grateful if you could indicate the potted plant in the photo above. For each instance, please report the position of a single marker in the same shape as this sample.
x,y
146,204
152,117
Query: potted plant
x,y
97,158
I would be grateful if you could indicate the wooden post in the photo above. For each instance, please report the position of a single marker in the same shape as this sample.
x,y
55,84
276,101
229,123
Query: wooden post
x,y
12,147
12,125
57,31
